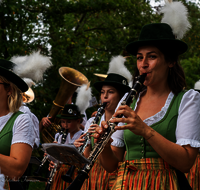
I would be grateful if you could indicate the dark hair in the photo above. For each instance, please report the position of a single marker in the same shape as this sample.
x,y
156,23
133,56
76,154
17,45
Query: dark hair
x,y
176,76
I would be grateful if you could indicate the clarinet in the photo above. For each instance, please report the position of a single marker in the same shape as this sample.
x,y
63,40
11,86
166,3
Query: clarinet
x,y
99,146
45,158
100,112
53,170
64,136
52,173
68,176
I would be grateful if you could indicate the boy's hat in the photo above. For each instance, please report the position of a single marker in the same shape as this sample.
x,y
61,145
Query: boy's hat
x,y
70,111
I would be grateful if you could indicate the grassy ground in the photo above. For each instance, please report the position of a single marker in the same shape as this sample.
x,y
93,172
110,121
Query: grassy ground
x,y
36,186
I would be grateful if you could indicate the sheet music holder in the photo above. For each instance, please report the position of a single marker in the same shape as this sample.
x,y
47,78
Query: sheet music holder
x,y
68,154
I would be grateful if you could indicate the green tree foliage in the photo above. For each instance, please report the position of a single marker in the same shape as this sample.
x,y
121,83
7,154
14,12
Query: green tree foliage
x,y
82,34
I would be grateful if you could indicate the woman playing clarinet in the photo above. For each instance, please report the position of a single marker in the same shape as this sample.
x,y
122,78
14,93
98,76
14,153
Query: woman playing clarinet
x,y
111,90
162,133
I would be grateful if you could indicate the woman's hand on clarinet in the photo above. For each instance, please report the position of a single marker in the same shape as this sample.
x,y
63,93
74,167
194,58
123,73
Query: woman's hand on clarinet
x,y
133,122
100,130
51,165
78,142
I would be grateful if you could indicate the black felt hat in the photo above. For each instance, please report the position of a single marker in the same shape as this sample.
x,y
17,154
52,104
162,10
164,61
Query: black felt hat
x,y
70,111
6,70
158,34
115,80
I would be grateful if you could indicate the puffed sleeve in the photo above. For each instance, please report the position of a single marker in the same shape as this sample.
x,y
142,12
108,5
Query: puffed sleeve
x,y
188,122
84,119
118,136
87,126
88,123
36,129
23,130
56,137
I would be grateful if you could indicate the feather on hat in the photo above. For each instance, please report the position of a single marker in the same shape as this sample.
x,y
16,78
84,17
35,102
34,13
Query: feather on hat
x,y
118,75
31,68
84,95
176,15
117,66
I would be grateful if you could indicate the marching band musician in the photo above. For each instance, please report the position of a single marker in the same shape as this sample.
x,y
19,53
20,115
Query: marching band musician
x,y
46,121
111,90
162,133
17,128
16,139
71,119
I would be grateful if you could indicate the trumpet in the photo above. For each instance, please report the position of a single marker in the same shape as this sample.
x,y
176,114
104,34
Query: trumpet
x,y
99,146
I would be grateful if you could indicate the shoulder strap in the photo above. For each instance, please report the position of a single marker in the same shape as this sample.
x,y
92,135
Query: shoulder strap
x,y
10,123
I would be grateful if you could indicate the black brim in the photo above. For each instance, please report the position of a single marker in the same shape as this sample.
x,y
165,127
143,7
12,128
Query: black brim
x,y
12,77
172,44
70,117
118,86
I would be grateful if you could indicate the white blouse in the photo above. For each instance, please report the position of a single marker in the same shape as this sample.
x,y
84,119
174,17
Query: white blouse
x,y
69,140
22,128
188,121
117,136
35,122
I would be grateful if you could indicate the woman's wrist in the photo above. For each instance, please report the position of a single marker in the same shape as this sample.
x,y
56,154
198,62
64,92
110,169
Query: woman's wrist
x,y
149,134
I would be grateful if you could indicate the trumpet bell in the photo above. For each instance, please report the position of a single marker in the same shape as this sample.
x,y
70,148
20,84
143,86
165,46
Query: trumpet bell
x,y
28,96
71,79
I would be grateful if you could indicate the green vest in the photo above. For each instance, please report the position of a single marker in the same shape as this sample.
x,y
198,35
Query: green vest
x,y
166,127
6,135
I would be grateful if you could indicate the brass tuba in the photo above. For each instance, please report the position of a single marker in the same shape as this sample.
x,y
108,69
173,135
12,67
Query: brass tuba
x,y
71,80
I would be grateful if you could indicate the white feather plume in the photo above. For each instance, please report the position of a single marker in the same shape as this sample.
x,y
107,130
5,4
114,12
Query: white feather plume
x,y
32,66
28,81
197,85
176,15
117,66
84,95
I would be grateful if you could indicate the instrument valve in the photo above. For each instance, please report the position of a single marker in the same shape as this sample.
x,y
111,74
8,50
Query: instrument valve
x,y
88,167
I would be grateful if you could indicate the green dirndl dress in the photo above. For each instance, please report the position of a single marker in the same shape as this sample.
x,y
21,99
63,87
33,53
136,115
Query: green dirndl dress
x,y
143,168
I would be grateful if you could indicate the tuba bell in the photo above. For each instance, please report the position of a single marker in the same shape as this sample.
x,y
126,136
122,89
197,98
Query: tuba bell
x,y
71,80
